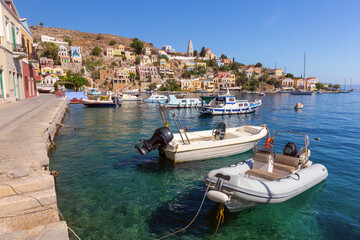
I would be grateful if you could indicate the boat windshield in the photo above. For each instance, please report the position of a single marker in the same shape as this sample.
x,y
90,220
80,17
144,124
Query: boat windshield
x,y
220,101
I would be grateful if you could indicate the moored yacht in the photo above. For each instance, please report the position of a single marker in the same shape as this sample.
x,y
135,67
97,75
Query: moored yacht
x,y
228,105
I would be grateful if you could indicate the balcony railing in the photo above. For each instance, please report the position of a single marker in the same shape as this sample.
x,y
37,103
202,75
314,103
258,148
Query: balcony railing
x,y
19,51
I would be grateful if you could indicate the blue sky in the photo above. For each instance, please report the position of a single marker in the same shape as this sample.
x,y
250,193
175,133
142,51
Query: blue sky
x,y
270,32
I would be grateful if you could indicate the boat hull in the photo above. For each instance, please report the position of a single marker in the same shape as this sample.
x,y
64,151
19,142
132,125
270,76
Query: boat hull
x,y
301,93
235,111
154,101
208,153
93,105
246,192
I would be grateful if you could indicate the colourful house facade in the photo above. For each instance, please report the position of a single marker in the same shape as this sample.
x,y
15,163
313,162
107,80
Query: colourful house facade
x,y
76,54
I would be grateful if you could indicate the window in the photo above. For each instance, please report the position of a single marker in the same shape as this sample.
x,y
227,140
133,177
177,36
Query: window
x,y
7,28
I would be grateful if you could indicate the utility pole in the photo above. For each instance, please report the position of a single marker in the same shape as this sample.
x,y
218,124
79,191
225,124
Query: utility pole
x,y
275,65
304,64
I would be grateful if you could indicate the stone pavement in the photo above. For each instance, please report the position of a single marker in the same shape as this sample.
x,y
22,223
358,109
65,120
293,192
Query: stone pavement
x,y
28,207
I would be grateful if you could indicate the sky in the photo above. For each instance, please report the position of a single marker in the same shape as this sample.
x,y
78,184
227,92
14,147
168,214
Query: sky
x,y
275,33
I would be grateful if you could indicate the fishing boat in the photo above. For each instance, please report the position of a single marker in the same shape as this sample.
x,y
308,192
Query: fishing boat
x,y
298,106
228,105
174,102
154,98
129,97
267,178
111,102
261,94
199,145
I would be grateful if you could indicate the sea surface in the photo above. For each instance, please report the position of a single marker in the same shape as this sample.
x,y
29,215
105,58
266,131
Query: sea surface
x,y
106,190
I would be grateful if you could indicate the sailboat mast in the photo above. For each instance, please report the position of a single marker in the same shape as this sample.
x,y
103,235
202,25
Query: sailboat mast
x,y
345,85
304,64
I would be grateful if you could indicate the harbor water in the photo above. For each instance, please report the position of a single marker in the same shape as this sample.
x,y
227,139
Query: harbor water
x,y
106,190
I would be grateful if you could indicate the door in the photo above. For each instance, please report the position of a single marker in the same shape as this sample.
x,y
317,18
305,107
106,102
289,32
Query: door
x,y
2,86
14,83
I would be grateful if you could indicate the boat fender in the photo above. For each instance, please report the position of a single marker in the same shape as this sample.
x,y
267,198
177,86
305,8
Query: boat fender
x,y
217,196
269,143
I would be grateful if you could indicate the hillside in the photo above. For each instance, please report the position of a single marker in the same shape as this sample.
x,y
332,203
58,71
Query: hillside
x,y
87,41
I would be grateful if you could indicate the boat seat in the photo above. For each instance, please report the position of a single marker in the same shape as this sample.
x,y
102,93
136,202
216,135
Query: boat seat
x,y
263,174
287,160
284,167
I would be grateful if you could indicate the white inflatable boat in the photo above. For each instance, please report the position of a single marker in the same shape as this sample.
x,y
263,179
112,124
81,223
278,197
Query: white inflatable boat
x,y
266,178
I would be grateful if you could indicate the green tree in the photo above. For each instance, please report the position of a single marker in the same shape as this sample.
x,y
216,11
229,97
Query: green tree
x,y
98,37
152,86
289,75
186,74
203,52
76,80
195,53
112,43
202,71
170,85
164,57
68,40
264,78
319,86
113,64
96,51
336,86
223,56
225,68
137,45
258,64
41,24
272,81
50,50
137,60
124,58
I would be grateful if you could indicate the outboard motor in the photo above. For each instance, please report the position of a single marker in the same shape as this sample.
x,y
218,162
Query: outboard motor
x,y
290,149
160,139
219,131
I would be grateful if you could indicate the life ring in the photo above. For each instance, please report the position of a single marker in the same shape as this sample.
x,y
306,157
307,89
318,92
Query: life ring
x,y
54,173
269,143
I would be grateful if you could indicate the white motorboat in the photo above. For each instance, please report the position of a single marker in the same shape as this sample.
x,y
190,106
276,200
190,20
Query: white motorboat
x,y
174,102
228,105
129,97
154,98
200,145
267,178
111,102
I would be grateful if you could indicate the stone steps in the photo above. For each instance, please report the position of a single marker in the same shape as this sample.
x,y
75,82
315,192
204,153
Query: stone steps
x,y
53,231
26,185
25,201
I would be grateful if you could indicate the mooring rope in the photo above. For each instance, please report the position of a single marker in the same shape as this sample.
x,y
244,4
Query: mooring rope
x,y
202,202
220,217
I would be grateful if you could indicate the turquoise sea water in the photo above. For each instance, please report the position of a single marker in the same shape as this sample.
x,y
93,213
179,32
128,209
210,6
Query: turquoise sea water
x,y
108,191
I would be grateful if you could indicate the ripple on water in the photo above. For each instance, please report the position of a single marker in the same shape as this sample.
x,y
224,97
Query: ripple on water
x,y
108,191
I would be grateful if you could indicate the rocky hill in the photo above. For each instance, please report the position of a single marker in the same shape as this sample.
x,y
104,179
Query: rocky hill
x,y
87,41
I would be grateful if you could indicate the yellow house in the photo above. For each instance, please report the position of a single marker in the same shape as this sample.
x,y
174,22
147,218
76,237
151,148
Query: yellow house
x,y
115,52
162,62
278,72
195,85
48,71
59,72
201,65
190,66
26,37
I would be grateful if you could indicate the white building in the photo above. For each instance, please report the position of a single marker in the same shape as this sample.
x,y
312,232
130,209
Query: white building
x,y
49,81
168,49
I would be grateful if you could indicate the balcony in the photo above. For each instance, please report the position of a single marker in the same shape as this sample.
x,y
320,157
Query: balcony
x,y
19,51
